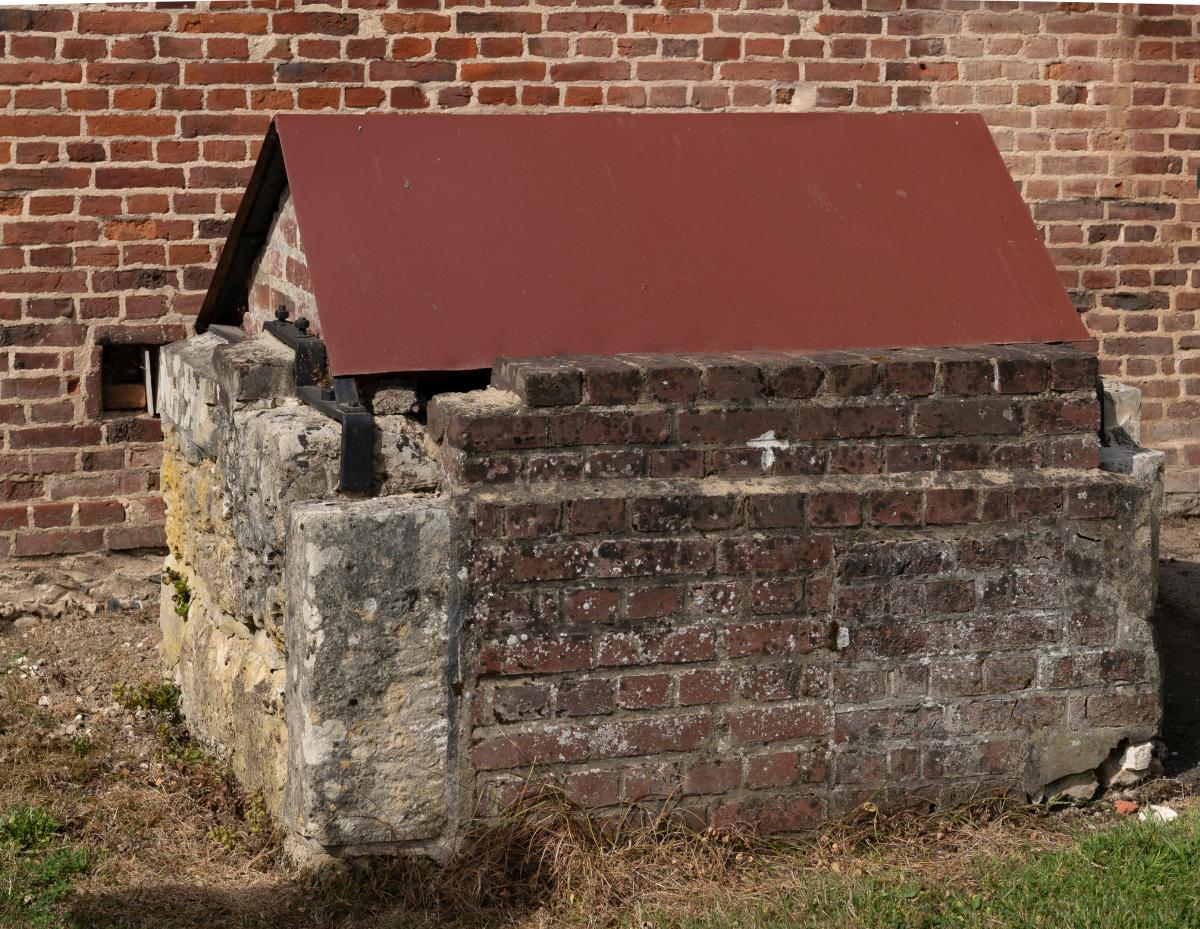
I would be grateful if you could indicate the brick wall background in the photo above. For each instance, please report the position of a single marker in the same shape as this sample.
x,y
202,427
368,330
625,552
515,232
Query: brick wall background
x,y
126,134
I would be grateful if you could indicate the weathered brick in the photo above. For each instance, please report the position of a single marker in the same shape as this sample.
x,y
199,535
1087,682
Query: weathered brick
x,y
585,698
644,691
774,554
530,520
728,378
731,427
778,723
668,381
705,686
1032,502
652,602
1059,416
57,541
1021,373
791,378
1074,372
622,649
608,382
967,376
540,384
594,427
775,511
948,507
894,508
542,655
941,418
857,422
835,509
909,378
520,702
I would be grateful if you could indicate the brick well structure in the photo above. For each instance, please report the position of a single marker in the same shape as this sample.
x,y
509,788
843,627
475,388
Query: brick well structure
x,y
127,134
596,572
765,583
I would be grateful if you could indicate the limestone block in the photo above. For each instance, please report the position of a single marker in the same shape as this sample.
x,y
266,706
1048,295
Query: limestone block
x,y
1111,570
1063,753
368,654
1128,766
233,470
405,459
188,396
1074,788
1120,409
232,685
1149,467
258,368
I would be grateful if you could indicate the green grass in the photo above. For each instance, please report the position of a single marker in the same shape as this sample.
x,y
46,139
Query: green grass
x,y
1131,876
37,868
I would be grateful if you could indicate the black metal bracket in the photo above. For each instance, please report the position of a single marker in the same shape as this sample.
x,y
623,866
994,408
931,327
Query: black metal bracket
x,y
340,402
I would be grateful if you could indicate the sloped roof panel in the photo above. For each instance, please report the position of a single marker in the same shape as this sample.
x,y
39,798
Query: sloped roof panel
x,y
441,242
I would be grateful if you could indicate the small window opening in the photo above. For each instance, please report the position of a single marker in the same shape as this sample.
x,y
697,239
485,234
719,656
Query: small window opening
x,y
128,375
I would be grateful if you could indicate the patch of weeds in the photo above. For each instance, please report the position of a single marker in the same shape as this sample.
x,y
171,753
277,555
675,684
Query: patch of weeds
x,y
38,867
28,828
81,746
161,700
225,837
257,817
182,597
161,697
178,748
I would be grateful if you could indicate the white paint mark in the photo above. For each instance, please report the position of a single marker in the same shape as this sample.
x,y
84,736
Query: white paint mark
x,y
769,445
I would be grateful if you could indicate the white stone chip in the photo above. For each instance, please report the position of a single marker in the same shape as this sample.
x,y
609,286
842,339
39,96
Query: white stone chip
x,y
1158,814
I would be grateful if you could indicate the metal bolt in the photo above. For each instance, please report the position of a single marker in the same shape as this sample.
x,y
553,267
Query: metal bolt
x,y
302,324
281,312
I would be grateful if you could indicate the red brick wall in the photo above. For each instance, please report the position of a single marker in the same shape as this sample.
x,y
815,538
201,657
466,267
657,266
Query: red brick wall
x,y
279,276
126,134
869,615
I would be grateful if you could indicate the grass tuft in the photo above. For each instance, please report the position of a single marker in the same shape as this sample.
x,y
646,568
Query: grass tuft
x,y
541,850
37,869
1133,875
28,828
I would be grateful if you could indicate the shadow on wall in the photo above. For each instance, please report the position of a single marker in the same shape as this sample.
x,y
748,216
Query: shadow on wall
x,y
1177,630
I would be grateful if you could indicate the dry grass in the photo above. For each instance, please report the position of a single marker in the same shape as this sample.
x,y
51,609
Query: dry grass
x,y
172,842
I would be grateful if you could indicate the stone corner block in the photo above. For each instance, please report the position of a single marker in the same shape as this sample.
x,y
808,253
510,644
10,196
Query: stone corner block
x,y
188,392
1120,409
368,703
259,368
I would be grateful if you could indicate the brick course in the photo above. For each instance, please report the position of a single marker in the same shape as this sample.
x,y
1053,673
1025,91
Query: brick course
x,y
824,413
126,136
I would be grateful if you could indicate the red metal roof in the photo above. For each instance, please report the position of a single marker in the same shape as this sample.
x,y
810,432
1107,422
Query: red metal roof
x,y
442,242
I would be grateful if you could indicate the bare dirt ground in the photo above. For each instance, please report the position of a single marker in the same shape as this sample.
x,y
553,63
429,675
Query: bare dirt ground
x,y
88,733
157,820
